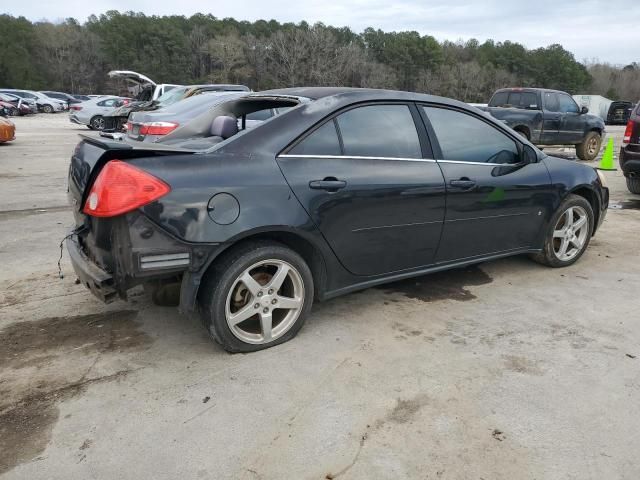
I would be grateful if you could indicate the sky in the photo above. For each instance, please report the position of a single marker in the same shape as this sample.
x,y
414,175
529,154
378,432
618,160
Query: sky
x,y
608,31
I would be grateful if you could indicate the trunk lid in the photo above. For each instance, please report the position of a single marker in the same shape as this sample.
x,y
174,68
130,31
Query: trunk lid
x,y
133,77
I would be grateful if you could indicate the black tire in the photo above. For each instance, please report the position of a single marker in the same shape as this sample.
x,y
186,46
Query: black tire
x,y
590,147
224,274
633,184
97,123
47,109
14,112
548,256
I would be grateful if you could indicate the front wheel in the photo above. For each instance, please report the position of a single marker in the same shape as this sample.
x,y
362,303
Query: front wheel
x,y
633,185
256,297
14,112
590,147
47,109
568,234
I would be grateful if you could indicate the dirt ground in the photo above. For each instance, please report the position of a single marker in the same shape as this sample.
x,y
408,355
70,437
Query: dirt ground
x,y
507,370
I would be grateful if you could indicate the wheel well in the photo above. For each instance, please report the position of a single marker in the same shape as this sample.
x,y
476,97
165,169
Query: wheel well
x,y
523,129
590,196
309,252
597,130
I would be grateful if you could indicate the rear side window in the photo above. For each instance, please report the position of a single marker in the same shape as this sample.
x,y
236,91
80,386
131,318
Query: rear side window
x,y
499,99
465,138
260,115
107,103
551,102
322,141
379,131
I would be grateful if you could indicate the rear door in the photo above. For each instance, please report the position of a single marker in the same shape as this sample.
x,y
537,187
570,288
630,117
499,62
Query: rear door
x,y
572,123
496,202
552,118
367,179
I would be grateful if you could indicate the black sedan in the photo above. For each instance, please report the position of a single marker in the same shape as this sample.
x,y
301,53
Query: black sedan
x,y
348,189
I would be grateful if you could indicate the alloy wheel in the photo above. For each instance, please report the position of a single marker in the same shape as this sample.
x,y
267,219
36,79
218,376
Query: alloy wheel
x,y
264,302
592,147
98,123
570,233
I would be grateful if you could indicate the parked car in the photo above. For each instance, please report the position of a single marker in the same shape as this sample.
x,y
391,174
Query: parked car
x,y
7,130
619,113
117,120
29,102
45,104
149,126
65,97
347,189
14,105
630,152
549,117
91,113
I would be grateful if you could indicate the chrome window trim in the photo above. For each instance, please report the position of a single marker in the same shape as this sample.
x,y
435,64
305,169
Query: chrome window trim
x,y
461,162
355,157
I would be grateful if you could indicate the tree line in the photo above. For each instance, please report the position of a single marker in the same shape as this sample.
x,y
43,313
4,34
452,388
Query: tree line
x,y
75,57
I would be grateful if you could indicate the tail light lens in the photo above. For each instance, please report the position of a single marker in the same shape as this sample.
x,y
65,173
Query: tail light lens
x,y
75,107
628,132
121,188
158,128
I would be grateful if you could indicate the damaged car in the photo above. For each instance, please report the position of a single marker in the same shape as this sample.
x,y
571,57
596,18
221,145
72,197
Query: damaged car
x,y
344,190
141,88
117,121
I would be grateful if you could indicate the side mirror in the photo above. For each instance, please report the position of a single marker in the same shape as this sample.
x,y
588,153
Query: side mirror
x,y
584,110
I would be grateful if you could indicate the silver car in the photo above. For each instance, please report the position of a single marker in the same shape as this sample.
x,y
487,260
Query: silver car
x,y
91,113
45,104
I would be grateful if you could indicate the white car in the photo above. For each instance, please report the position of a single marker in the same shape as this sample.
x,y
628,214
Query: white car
x,y
143,88
45,104
91,113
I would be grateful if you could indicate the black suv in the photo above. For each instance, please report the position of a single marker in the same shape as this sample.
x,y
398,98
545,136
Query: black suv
x,y
630,152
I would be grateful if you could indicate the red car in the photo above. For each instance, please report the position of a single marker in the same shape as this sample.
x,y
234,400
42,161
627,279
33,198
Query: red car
x,y
13,105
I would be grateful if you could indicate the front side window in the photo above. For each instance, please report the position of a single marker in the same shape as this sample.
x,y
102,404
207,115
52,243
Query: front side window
x,y
322,141
379,131
567,105
465,138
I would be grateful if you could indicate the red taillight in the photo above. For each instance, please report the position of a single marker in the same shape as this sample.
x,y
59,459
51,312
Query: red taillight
x,y
75,107
121,188
157,128
628,132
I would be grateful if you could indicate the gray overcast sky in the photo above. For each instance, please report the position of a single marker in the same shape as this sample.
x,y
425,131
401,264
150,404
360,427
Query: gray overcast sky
x,y
591,29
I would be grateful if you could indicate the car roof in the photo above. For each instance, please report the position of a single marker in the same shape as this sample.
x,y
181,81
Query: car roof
x,y
359,94
529,89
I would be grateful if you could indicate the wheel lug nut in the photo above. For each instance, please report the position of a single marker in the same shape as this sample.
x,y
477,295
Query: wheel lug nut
x,y
265,310
259,294
257,305
270,291
274,301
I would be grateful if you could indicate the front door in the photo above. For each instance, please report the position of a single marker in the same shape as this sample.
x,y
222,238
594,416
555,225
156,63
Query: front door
x,y
367,180
552,119
572,125
497,201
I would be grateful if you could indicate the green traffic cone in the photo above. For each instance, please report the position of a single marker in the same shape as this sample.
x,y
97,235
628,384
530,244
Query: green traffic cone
x,y
607,157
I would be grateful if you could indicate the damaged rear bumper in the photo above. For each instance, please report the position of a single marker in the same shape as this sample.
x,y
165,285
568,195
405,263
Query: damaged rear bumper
x,y
97,280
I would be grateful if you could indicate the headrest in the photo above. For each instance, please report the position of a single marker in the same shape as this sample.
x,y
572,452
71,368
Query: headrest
x,y
224,127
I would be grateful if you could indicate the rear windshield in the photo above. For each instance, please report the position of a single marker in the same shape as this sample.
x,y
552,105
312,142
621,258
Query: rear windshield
x,y
525,100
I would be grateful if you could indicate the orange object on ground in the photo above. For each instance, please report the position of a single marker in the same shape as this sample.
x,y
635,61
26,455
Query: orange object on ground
x,y
7,130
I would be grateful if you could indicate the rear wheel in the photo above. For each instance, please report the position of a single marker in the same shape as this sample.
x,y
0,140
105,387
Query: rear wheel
x,y
14,112
633,184
97,123
47,109
590,147
256,297
568,234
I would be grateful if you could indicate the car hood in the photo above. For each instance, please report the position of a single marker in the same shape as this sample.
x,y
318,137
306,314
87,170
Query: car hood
x,y
133,77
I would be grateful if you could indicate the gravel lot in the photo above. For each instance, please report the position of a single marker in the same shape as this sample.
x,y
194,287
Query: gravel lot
x,y
508,370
